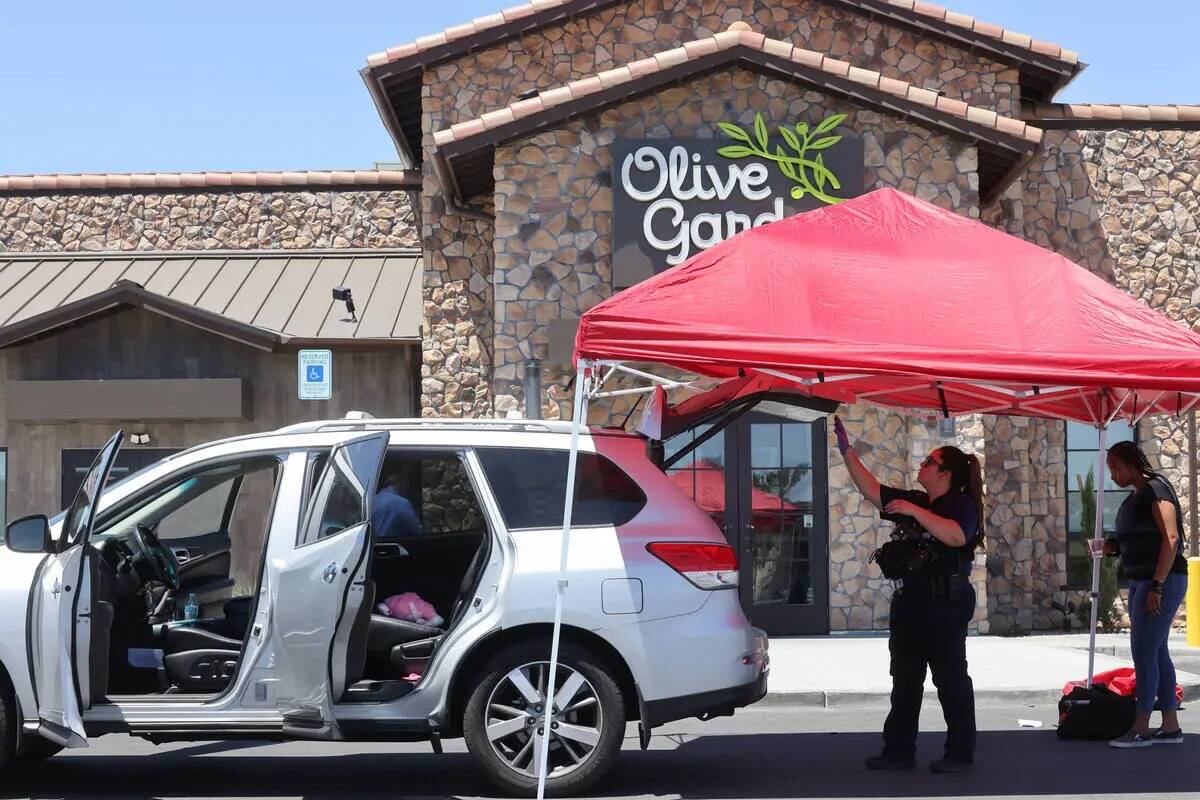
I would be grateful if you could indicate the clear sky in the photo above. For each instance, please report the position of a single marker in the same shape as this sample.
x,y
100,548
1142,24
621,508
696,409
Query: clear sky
x,y
170,85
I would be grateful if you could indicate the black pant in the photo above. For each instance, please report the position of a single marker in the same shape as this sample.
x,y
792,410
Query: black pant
x,y
929,629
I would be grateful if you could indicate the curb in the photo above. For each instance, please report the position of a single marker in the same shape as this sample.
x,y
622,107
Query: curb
x,y
881,698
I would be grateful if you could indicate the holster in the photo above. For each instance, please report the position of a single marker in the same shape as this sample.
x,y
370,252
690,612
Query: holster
x,y
949,586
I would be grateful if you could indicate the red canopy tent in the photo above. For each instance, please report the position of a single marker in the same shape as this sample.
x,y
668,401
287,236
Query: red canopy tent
x,y
890,300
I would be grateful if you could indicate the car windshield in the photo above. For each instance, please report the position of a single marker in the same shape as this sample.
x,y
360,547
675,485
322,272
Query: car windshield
x,y
57,519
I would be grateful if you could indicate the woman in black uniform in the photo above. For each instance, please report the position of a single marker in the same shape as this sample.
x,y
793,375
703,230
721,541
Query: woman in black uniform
x,y
932,608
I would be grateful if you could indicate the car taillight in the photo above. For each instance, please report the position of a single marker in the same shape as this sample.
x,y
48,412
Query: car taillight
x,y
707,566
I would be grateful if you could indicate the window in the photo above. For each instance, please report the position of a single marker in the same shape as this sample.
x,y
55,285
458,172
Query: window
x,y
1083,442
339,501
448,504
701,473
531,487
425,494
204,512
221,509
198,505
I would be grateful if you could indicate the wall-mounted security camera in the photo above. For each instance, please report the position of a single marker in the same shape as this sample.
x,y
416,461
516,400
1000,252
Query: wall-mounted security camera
x,y
343,294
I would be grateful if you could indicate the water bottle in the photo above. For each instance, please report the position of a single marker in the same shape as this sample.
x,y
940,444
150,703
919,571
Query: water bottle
x,y
192,609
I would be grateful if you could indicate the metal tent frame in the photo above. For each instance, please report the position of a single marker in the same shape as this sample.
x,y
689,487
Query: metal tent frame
x,y
992,398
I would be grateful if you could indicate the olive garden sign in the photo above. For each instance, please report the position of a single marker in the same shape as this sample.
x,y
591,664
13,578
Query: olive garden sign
x,y
673,198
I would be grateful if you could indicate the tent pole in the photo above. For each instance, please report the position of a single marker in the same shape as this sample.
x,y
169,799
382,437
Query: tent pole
x,y
579,412
1098,554
1193,494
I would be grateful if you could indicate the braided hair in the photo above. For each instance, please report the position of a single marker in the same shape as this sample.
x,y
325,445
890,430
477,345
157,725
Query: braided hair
x,y
1129,453
966,476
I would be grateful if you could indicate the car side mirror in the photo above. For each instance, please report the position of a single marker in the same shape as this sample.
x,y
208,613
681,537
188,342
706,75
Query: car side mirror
x,y
29,535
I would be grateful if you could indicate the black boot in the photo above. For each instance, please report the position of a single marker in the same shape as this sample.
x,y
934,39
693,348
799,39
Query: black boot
x,y
948,764
889,761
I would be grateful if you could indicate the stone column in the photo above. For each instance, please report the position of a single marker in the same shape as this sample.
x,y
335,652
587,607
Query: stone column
x,y
457,294
859,595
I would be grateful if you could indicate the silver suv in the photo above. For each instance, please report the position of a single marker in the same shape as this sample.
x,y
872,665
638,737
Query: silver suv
x,y
370,579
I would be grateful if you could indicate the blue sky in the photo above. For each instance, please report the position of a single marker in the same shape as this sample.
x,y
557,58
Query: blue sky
x,y
164,85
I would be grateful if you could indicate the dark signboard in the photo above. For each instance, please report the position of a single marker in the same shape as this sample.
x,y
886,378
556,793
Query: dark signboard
x,y
673,198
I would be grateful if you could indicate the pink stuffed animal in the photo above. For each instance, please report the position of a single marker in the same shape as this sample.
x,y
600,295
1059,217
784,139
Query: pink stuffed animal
x,y
411,607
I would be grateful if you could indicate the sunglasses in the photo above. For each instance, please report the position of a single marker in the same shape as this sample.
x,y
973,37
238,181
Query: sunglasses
x,y
931,460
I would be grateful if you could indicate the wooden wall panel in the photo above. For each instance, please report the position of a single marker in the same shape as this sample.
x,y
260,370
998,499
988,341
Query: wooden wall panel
x,y
136,344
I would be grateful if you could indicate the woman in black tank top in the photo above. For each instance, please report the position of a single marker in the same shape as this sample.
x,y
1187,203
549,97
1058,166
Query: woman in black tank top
x,y
1149,540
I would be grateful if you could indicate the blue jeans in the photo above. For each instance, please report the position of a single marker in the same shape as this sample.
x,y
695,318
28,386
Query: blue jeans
x,y
1148,639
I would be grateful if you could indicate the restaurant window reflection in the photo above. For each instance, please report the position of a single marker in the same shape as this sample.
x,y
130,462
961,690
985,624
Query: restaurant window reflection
x,y
701,473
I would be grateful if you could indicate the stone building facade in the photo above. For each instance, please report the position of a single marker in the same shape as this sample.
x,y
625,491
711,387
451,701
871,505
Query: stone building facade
x,y
239,218
509,123
1113,189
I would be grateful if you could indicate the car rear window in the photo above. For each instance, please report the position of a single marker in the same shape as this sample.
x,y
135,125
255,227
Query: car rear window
x,y
531,486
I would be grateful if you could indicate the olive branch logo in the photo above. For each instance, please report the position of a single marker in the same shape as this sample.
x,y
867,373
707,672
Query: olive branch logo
x,y
806,167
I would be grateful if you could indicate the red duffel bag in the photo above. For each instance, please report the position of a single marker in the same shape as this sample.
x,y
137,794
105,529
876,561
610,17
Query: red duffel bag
x,y
1121,681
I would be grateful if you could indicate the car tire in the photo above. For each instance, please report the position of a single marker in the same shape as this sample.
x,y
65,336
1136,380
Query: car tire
x,y
8,726
595,715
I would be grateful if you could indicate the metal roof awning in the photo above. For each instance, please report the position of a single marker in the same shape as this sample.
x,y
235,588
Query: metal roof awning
x,y
266,299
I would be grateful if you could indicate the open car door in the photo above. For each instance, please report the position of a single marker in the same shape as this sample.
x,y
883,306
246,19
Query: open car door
x,y
321,603
61,640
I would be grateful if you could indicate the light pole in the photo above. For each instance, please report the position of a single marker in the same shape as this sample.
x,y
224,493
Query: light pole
x,y
533,389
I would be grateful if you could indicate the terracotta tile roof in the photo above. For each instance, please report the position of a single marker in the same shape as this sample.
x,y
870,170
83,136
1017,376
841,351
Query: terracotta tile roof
x,y
205,180
968,23
1106,112
934,13
728,40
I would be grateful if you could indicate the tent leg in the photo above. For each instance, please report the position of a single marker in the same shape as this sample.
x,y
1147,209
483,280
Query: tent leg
x,y
577,421
1101,471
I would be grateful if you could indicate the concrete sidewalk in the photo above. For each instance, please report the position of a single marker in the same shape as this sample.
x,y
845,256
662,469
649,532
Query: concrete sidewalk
x,y
852,669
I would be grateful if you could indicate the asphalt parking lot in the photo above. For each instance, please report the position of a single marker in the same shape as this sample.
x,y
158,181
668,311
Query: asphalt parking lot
x,y
768,752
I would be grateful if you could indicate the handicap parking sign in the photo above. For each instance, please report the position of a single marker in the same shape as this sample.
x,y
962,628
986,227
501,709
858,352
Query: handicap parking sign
x,y
315,373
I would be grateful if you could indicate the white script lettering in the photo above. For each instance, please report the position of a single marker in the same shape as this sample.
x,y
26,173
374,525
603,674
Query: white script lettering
x,y
667,180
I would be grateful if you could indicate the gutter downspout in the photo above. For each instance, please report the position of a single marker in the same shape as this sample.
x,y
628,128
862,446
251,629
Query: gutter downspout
x,y
451,191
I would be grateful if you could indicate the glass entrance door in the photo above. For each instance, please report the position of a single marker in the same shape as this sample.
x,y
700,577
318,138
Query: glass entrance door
x,y
763,481
783,524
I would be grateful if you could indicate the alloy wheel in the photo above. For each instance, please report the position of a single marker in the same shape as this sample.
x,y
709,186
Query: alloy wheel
x,y
516,714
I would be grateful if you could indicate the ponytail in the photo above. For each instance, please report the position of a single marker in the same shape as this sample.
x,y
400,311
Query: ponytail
x,y
975,492
966,476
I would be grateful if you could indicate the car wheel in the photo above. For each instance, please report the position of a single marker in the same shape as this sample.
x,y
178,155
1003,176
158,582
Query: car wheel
x,y
8,726
36,750
503,720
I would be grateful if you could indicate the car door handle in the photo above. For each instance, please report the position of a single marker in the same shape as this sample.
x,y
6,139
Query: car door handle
x,y
330,573
389,550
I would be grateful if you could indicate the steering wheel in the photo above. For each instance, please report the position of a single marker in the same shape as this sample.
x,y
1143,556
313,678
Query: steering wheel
x,y
156,556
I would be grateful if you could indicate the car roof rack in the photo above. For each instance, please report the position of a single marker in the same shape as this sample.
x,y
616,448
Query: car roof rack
x,y
430,423
449,423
